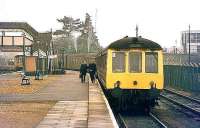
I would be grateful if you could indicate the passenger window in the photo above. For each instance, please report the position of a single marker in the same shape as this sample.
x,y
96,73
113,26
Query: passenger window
x,y
135,62
151,62
118,62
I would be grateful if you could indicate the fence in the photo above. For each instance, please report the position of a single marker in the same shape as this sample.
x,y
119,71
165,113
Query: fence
x,y
186,77
179,59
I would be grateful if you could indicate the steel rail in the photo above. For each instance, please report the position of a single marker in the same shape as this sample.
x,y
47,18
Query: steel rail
x,y
180,104
181,95
122,122
161,124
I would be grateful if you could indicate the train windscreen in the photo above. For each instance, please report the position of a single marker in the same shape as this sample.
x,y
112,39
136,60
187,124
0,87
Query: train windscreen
x,y
118,62
135,62
151,62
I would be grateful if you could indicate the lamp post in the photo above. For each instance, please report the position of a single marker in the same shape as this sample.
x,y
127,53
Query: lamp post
x,y
38,55
37,74
63,53
24,59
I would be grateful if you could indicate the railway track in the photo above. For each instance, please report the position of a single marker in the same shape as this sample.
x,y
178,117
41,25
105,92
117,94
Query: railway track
x,y
139,121
186,102
143,121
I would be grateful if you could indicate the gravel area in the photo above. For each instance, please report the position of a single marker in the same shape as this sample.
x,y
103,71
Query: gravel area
x,y
174,116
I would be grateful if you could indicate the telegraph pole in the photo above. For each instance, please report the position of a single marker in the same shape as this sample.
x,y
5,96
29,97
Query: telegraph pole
x,y
189,42
95,21
89,38
185,44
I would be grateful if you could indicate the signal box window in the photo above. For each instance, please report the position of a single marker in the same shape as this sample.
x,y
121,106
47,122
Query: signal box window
x,y
118,62
135,62
151,62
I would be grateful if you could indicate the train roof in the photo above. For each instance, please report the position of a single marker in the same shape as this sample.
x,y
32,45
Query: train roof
x,y
134,42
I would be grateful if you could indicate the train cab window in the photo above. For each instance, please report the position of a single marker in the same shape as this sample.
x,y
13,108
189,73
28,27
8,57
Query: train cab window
x,y
151,62
118,62
135,62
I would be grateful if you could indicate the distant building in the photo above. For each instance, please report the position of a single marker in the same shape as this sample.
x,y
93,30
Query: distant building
x,y
173,50
194,41
15,35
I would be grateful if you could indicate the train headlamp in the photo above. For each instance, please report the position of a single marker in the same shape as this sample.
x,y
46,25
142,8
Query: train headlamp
x,y
151,83
135,82
117,84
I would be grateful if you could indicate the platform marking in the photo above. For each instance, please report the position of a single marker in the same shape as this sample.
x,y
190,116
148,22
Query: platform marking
x,y
108,107
66,114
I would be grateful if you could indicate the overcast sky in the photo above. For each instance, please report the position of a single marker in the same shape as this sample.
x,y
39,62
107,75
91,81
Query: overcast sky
x,y
159,20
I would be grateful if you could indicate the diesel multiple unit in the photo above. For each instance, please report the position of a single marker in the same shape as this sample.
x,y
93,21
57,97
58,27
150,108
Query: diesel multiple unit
x,y
131,71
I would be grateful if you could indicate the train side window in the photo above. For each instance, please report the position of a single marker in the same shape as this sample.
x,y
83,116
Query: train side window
x,y
151,62
135,62
118,62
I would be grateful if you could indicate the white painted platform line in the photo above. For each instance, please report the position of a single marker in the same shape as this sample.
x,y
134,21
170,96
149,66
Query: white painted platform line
x,y
108,107
99,107
66,114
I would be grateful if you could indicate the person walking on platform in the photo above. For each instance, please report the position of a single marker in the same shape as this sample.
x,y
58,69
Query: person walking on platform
x,y
92,71
83,71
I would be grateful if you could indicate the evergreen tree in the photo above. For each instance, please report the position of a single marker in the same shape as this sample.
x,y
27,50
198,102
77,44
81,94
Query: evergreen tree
x,y
87,41
66,42
70,25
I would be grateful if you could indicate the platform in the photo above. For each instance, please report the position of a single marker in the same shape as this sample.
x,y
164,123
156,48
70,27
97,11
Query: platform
x,y
100,114
62,101
53,88
91,113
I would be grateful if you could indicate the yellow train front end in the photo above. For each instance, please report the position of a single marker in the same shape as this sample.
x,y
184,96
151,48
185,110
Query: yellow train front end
x,y
134,69
131,70
134,77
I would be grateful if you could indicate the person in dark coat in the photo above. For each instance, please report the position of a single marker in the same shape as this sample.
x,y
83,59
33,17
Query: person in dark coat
x,y
83,71
92,71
